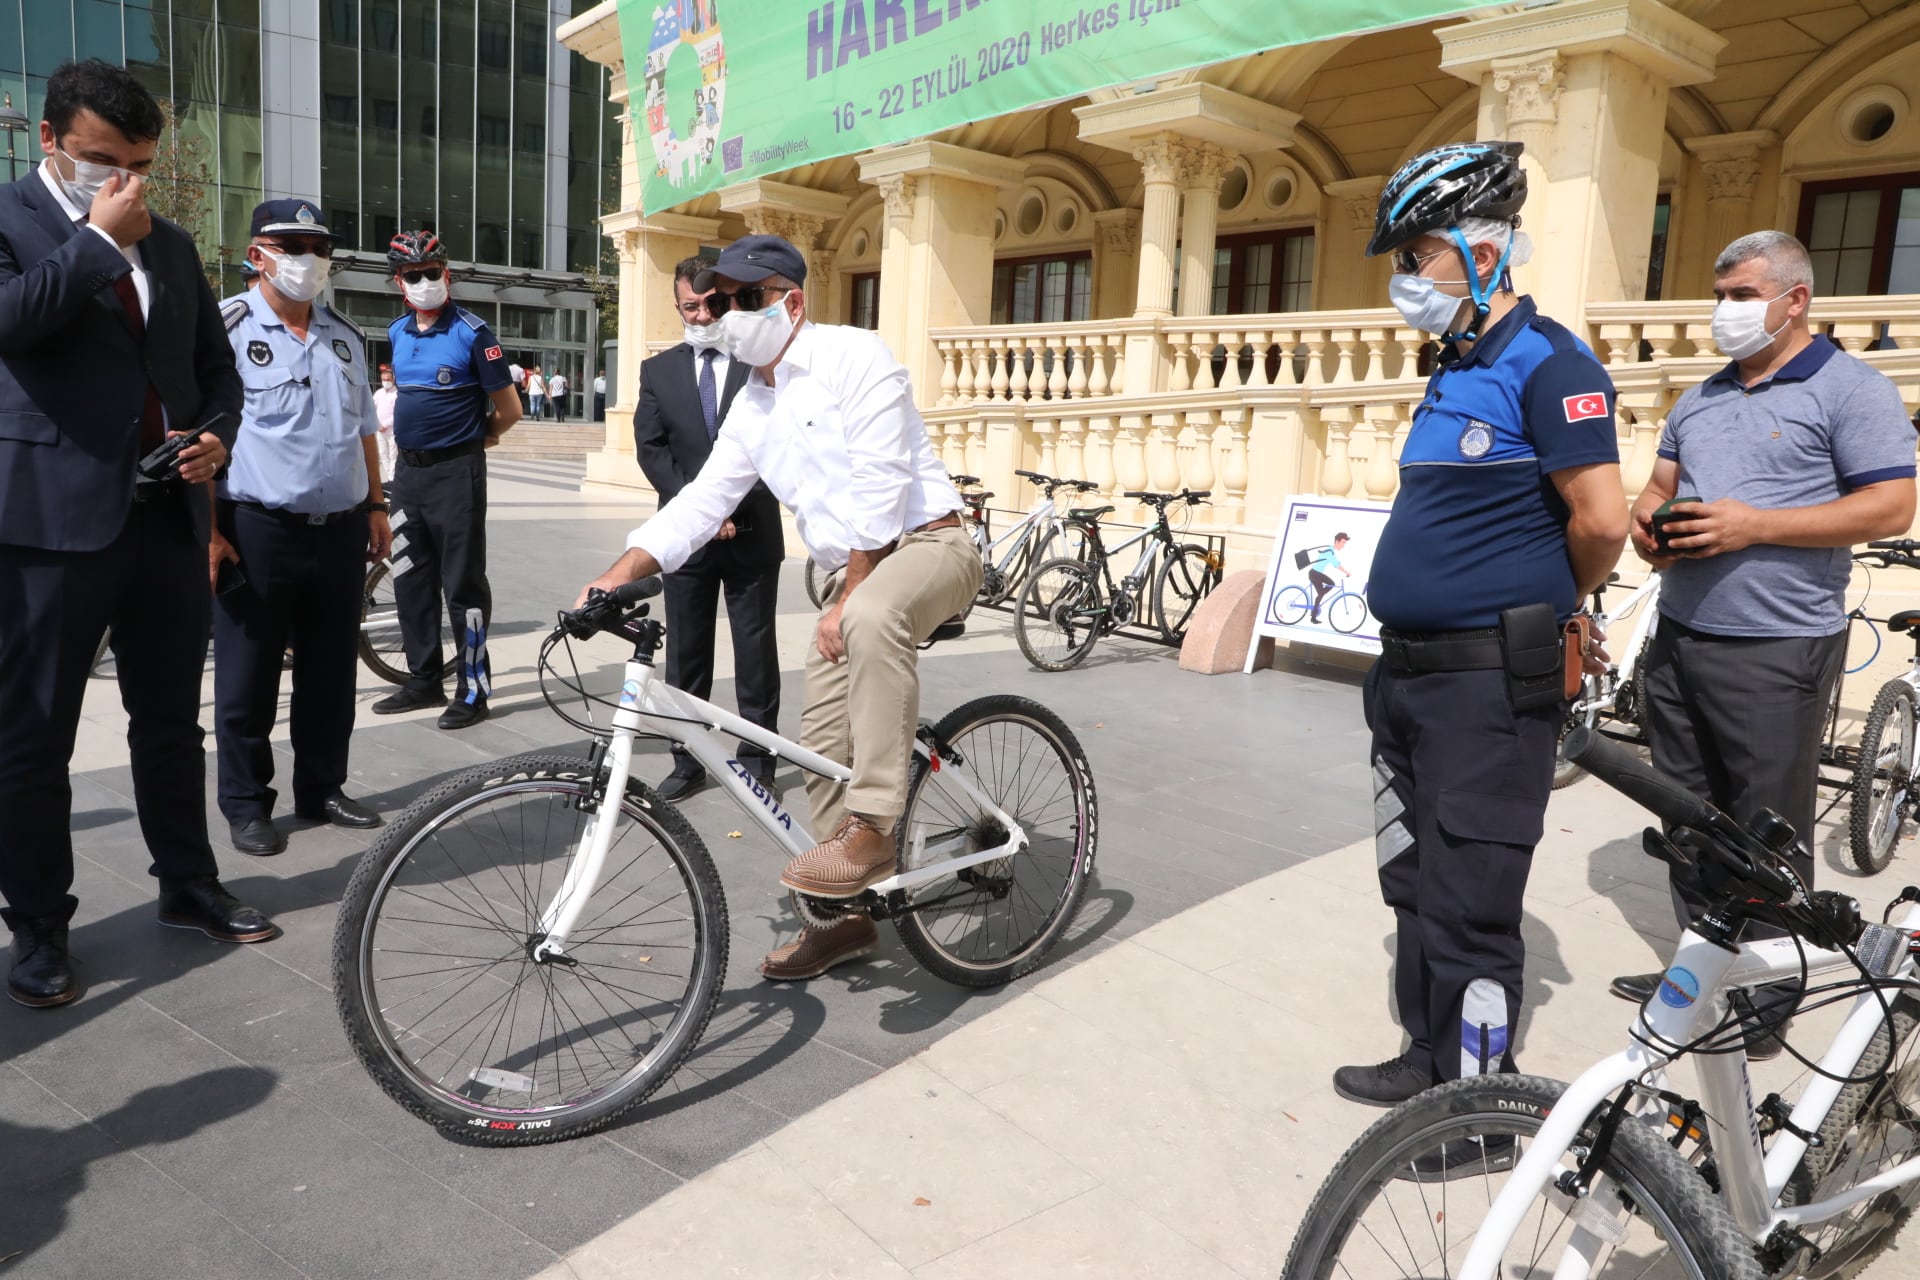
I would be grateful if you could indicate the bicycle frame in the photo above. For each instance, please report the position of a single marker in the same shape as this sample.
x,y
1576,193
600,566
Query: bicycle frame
x,y
1751,1177
1142,568
649,703
1645,598
1045,512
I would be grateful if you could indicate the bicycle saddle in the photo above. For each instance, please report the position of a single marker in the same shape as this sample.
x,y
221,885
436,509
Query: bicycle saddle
x,y
952,629
1088,513
1902,622
976,499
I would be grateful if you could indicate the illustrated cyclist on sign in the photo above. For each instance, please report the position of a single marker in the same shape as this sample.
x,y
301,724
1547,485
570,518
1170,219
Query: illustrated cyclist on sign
x,y
1324,566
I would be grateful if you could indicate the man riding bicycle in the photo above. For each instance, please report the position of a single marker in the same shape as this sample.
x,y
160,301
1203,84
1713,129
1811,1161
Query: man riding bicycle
x,y
827,421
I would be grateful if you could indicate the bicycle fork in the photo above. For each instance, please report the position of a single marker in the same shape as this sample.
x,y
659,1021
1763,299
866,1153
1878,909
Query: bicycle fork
x,y
583,869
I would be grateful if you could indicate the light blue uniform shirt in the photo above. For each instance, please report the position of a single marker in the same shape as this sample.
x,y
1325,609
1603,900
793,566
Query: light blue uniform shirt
x,y
307,406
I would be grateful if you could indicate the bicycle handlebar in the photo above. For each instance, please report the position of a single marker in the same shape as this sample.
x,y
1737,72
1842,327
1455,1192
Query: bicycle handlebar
x,y
1906,545
1194,497
603,607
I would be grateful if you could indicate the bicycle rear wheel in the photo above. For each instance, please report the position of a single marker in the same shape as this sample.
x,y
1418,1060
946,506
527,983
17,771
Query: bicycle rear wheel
x,y
1059,615
1182,582
994,921
1347,612
1388,1209
1290,604
433,967
382,647
1882,795
817,579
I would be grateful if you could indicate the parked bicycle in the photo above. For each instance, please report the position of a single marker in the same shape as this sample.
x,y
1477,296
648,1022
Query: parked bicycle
x,y
1070,602
1619,694
1883,779
535,946
1520,1176
1345,609
382,648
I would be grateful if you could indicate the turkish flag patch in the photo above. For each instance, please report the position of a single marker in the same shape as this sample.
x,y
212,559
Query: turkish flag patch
x,y
1591,405
493,353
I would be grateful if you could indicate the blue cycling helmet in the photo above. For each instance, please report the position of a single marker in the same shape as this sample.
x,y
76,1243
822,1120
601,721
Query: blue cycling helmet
x,y
1437,188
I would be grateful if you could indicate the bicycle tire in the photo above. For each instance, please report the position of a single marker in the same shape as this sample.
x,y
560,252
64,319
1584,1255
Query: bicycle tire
x,y
413,866
1346,612
1059,615
1663,1190
1182,583
101,652
1290,604
991,947
816,583
1881,796
1848,1242
378,648
1565,772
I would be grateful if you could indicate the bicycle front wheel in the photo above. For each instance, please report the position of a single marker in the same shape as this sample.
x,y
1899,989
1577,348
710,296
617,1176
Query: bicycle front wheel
x,y
1059,614
1882,779
382,648
434,966
1409,1196
1347,612
1183,581
994,921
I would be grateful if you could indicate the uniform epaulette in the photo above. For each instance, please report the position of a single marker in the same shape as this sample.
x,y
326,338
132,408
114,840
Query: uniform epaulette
x,y
233,313
467,318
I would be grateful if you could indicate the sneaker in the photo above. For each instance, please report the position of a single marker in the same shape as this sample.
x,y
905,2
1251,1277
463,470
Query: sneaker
x,y
463,714
685,779
1385,1084
410,698
1464,1158
1636,988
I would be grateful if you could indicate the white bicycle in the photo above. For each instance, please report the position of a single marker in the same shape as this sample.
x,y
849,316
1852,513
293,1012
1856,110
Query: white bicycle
x,y
1620,694
1617,1175
534,946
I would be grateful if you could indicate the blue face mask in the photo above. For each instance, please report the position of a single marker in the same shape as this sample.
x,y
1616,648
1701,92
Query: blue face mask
x,y
1423,305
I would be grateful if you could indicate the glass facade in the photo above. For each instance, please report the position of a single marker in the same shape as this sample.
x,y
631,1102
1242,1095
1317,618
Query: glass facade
x,y
460,115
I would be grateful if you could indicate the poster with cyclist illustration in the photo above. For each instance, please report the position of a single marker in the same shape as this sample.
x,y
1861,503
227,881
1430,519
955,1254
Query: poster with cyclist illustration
x,y
1316,588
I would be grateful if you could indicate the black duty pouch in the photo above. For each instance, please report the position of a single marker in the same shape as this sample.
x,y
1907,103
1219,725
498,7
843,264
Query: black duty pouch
x,y
1530,648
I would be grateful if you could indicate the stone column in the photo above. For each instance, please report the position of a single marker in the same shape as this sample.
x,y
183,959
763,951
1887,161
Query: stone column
x,y
1729,165
1345,278
1203,166
1116,257
1584,84
1159,160
898,191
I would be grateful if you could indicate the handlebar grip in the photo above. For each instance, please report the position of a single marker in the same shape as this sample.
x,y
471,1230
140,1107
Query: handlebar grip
x,y
639,589
1034,476
1084,486
1894,544
1135,493
1641,783
1198,495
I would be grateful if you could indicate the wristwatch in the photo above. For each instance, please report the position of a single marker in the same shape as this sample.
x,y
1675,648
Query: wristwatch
x,y
370,506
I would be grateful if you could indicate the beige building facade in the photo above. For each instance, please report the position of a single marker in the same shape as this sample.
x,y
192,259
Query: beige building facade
x,y
1162,284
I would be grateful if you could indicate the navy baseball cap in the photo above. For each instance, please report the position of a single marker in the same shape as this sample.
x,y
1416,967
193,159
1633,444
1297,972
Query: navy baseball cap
x,y
752,259
288,218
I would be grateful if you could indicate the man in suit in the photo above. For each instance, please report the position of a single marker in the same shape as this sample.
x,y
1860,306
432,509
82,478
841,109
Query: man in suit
x,y
110,342
684,394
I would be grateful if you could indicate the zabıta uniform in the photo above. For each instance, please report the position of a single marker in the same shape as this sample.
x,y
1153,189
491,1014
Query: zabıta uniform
x,y
444,376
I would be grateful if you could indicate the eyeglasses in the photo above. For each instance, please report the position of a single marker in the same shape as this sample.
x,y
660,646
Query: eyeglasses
x,y
318,248
1407,262
749,297
414,275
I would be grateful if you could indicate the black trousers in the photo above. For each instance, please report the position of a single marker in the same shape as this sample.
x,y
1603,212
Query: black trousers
x,y
150,586
693,600
444,560
304,586
1461,783
1739,721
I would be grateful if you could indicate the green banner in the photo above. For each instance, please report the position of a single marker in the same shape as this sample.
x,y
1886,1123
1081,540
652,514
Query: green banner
x,y
726,90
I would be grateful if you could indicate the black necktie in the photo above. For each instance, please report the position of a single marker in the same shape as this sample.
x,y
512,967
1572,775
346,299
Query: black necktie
x,y
709,396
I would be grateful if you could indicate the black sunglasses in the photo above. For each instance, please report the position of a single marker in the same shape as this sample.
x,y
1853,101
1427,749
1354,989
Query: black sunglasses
x,y
318,248
749,297
1407,262
414,275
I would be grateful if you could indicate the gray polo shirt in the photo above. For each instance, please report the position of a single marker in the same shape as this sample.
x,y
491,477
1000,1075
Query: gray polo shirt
x,y
1825,425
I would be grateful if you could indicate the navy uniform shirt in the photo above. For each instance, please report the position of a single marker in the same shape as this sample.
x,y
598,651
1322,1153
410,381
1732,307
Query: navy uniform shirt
x,y
445,377
1478,526
307,406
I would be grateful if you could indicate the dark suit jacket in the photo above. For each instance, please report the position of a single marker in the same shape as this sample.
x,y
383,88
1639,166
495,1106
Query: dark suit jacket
x,y
73,376
670,437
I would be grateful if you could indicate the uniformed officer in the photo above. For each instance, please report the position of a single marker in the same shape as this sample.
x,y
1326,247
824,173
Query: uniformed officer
x,y
300,513
1510,512
456,398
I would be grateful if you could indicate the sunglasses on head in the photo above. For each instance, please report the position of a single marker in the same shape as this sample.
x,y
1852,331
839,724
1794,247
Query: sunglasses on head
x,y
750,297
414,275
1407,262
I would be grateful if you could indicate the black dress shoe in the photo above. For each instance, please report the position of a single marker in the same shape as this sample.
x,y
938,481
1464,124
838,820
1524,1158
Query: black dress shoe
x,y
463,714
257,836
1385,1084
42,975
342,812
410,698
1636,988
207,906
682,782
760,768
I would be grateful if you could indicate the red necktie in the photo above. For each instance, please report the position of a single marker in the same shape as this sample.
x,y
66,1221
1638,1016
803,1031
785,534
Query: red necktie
x,y
153,418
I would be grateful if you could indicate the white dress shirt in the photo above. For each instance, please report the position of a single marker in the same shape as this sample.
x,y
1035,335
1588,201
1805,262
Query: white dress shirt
x,y
131,252
836,438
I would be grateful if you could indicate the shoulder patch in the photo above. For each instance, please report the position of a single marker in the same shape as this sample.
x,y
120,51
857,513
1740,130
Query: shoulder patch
x,y
1593,404
233,313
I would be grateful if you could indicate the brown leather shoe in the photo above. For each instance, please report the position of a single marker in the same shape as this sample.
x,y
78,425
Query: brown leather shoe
x,y
856,855
818,950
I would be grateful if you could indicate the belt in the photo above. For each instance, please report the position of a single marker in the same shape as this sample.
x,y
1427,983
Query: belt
x,y
428,457
1414,652
950,520
297,517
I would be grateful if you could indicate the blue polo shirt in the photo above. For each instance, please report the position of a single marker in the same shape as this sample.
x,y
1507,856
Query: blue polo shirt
x,y
1478,526
1824,425
445,376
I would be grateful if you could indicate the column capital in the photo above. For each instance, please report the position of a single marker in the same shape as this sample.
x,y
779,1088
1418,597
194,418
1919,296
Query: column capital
x,y
1532,84
1730,162
765,193
1202,166
1200,111
798,229
1360,197
1651,34
898,190
1159,157
941,159
1118,229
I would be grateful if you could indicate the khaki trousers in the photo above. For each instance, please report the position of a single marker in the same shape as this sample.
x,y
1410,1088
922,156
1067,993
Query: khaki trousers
x,y
864,710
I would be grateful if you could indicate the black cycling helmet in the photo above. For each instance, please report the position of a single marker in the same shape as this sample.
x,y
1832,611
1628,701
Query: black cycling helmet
x,y
1438,188
410,248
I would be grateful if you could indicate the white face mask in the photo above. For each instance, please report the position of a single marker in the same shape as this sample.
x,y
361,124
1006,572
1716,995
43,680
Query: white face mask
x,y
1740,328
756,337
1423,305
87,180
426,295
702,336
300,276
